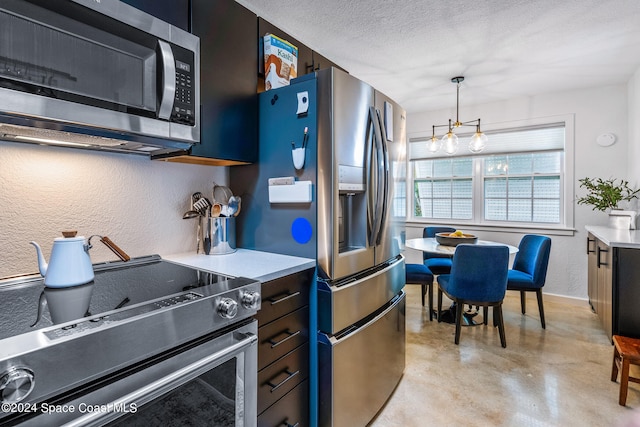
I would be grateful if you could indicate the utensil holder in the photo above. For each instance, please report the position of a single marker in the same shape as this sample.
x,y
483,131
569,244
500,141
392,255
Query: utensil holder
x,y
219,235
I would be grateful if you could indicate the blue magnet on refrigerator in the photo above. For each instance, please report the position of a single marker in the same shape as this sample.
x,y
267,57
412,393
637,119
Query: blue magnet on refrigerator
x,y
301,230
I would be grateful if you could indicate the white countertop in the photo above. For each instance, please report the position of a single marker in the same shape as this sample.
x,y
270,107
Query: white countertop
x,y
263,266
616,237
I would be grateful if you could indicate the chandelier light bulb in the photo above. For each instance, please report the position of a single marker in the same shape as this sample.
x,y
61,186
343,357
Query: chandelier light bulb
x,y
433,145
478,142
450,143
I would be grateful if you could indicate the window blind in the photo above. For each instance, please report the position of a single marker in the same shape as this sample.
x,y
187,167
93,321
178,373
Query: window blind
x,y
548,137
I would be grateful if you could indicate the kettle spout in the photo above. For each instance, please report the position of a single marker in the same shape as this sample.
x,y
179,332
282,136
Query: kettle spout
x,y
42,264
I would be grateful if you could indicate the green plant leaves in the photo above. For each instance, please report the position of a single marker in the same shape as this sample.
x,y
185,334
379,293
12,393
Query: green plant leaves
x,y
606,194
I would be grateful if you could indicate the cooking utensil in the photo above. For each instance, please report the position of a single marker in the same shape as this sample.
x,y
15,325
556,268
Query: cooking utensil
x,y
198,234
195,197
239,200
203,206
190,214
216,208
234,204
221,194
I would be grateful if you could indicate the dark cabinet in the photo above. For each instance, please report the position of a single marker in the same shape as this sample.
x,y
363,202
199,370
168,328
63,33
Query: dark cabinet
x,y
228,84
613,287
175,12
320,62
308,60
283,351
305,54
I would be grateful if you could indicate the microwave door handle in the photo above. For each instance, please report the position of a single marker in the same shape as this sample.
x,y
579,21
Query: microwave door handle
x,y
385,177
167,80
379,159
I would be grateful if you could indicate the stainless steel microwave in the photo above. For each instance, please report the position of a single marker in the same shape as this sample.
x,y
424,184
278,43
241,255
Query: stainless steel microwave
x,y
99,74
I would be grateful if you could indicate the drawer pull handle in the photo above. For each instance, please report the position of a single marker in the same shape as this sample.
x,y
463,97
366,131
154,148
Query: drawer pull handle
x,y
599,263
286,424
277,386
275,301
290,335
589,251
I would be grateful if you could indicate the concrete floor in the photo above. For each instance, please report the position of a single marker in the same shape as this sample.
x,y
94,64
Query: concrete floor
x,y
554,377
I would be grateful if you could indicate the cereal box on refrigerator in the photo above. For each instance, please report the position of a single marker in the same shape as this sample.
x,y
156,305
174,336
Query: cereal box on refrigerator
x,y
280,62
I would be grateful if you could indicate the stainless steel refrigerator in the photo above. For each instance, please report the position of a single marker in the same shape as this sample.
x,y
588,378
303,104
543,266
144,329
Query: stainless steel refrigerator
x,y
354,146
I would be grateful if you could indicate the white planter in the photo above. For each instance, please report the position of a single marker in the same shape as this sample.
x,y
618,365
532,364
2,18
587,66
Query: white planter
x,y
622,219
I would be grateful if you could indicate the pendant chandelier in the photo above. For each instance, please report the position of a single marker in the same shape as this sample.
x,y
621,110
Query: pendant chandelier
x,y
449,142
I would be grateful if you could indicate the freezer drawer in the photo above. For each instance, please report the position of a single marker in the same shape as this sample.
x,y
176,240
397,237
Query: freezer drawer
x,y
344,303
359,369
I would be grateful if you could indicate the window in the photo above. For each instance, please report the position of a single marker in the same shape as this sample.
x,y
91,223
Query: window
x,y
522,187
518,180
399,174
444,188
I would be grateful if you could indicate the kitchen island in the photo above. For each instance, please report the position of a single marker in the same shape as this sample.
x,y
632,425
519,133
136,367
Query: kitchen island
x,y
283,327
614,278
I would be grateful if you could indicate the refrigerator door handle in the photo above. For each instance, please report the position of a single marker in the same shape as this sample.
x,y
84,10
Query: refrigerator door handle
x,y
374,177
378,196
385,178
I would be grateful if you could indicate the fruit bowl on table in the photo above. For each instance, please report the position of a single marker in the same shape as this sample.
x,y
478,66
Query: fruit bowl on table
x,y
451,239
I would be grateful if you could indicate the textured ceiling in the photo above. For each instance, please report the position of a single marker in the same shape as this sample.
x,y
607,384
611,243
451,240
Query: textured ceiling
x,y
503,48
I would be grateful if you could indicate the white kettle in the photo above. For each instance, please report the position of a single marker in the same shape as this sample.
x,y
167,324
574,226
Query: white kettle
x,y
69,264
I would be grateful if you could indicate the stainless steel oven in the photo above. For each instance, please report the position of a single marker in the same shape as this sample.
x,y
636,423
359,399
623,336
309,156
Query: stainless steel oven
x,y
181,351
211,383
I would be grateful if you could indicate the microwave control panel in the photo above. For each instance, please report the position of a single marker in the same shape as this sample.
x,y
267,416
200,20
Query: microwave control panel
x,y
184,108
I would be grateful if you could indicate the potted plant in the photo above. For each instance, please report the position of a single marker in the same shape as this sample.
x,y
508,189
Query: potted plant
x,y
606,194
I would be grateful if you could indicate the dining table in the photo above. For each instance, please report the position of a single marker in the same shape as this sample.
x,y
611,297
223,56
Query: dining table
x,y
431,245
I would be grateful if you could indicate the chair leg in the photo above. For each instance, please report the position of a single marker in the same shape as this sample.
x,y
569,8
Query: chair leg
x,y
614,367
485,314
424,291
430,290
439,304
497,313
523,302
459,309
624,381
541,308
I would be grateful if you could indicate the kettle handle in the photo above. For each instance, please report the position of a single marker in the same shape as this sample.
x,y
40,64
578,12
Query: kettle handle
x,y
115,248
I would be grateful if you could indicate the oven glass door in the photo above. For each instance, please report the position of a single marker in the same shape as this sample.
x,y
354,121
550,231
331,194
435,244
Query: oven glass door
x,y
214,396
213,379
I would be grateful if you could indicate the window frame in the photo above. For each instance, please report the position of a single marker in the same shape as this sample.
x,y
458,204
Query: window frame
x,y
566,225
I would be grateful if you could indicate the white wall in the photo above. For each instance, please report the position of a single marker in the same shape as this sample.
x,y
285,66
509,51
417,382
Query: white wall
x,y
596,110
137,202
634,130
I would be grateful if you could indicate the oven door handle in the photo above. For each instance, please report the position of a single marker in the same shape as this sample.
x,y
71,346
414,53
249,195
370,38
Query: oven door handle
x,y
159,387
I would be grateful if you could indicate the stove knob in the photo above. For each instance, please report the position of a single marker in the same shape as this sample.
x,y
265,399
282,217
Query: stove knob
x,y
250,299
16,384
227,308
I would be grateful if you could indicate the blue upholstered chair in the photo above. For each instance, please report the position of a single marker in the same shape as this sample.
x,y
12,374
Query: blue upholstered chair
x,y
478,277
529,270
438,264
419,274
